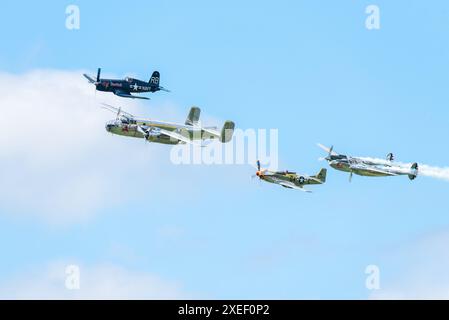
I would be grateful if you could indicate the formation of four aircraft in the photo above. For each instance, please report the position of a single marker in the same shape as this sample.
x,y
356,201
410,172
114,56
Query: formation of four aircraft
x,y
193,132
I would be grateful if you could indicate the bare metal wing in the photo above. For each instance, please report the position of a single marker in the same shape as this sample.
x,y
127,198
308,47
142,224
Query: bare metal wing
x,y
375,170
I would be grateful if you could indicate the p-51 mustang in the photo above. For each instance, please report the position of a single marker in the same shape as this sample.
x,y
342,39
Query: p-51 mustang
x,y
124,88
151,130
367,166
291,180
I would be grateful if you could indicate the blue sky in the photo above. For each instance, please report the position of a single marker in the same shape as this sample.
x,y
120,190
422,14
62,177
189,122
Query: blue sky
x,y
308,68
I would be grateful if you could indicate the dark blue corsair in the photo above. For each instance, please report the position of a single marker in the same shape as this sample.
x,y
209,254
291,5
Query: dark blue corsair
x,y
124,88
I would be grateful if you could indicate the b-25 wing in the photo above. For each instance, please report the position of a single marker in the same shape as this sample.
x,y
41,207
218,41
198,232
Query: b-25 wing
x,y
171,134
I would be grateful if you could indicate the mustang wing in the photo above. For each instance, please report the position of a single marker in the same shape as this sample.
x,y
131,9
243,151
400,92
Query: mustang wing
x,y
290,185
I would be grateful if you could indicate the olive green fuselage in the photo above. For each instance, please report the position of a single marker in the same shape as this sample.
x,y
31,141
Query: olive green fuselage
x,y
298,180
129,128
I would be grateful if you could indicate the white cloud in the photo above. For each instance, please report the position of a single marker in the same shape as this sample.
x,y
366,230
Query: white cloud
x,y
57,162
421,270
101,281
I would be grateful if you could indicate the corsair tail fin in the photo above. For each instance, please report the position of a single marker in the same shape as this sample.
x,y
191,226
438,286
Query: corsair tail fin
x,y
155,79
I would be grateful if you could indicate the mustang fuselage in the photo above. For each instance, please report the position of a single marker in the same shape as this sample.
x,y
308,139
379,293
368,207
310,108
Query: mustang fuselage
x,y
276,177
291,180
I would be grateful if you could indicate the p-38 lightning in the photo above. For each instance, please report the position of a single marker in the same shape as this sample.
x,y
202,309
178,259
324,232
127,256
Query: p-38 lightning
x,y
125,124
124,88
368,166
290,180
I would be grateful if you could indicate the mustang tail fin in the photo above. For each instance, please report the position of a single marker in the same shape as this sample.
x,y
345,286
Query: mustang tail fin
x,y
321,175
414,171
227,131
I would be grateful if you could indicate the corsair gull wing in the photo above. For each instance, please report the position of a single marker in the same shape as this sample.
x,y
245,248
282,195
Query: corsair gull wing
x,y
128,95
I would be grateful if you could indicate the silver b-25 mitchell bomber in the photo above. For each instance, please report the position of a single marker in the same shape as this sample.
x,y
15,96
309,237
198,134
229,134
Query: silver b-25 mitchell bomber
x,y
368,166
124,88
290,180
164,132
